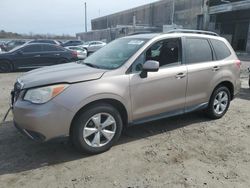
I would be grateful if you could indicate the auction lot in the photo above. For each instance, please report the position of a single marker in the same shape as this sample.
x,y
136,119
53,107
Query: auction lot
x,y
184,151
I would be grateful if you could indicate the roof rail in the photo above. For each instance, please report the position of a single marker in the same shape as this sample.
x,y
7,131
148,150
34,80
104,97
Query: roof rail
x,y
193,31
140,32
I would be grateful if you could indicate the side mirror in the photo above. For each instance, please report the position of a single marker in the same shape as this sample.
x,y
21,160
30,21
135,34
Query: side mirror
x,y
149,66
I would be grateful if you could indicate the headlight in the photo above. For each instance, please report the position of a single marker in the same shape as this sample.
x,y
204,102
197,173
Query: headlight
x,y
44,94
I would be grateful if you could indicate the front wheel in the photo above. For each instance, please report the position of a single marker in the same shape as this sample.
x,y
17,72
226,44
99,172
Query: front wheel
x,y
96,129
219,103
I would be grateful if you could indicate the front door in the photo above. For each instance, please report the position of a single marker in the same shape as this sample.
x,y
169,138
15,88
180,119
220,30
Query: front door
x,y
161,93
92,47
28,57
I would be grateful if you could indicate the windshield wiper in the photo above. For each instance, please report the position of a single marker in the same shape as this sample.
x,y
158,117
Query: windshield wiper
x,y
92,65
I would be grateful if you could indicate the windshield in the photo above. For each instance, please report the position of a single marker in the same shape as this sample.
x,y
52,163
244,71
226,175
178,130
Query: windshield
x,y
115,54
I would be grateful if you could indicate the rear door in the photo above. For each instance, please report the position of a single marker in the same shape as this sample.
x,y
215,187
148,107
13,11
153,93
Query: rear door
x,y
52,55
203,71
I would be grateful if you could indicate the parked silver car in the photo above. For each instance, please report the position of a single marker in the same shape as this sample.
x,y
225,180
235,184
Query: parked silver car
x,y
126,84
93,46
81,52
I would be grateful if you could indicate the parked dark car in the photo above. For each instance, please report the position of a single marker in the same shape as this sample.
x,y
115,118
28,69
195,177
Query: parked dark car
x,y
73,43
45,41
2,46
34,56
12,44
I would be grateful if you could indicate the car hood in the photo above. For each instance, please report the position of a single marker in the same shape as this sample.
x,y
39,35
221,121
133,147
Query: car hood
x,y
64,73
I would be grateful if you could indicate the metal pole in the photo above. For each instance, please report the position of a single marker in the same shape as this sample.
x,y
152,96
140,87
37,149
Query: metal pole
x,y
134,22
86,26
206,4
173,12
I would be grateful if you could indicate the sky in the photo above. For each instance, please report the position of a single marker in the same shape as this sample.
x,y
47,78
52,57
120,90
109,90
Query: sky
x,y
57,16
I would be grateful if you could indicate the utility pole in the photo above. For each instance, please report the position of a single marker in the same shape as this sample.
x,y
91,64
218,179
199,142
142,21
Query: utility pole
x,y
134,22
173,9
86,26
206,4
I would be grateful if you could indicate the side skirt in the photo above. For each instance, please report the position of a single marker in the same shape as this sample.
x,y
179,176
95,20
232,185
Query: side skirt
x,y
169,114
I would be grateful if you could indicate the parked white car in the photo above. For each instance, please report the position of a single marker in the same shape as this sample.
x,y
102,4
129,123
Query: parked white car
x,y
93,46
81,52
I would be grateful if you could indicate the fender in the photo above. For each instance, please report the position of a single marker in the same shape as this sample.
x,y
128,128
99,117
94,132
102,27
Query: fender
x,y
103,96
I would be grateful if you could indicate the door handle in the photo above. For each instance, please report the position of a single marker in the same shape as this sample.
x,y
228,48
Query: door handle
x,y
37,56
180,76
57,54
216,68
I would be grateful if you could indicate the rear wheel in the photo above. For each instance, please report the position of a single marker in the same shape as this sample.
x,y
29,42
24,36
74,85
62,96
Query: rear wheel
x,y
219,102
62,61
5,66
96,129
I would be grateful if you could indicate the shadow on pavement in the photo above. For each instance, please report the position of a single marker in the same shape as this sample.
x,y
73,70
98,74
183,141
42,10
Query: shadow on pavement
x,y
18,154
244,94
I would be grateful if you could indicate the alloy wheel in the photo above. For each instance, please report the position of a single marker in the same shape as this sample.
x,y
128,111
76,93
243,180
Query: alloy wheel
x,y
221,102
99,130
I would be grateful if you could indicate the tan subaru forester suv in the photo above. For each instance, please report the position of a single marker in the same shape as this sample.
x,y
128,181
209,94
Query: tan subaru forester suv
x,y
130,81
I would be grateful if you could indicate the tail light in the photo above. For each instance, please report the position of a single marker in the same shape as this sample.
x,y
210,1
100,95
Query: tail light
x,y
238,63
74,54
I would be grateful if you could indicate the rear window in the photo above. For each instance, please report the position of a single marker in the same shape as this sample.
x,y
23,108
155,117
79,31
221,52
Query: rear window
x,y
198,51
221,50
50,48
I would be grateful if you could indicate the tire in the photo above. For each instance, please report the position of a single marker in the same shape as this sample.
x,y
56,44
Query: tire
x,y
219,102
5,66
89,137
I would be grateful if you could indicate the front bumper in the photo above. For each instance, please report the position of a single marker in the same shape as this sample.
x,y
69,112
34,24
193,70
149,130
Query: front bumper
x,y
42,122
30,134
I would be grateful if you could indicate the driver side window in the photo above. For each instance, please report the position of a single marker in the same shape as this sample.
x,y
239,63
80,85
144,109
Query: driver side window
x,y
167,52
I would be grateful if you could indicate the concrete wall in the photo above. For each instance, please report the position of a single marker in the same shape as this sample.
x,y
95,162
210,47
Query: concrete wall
x,y
188,14
110,34
154,15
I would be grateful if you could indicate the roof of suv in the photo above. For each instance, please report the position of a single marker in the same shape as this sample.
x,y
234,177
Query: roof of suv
x,y
173,33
